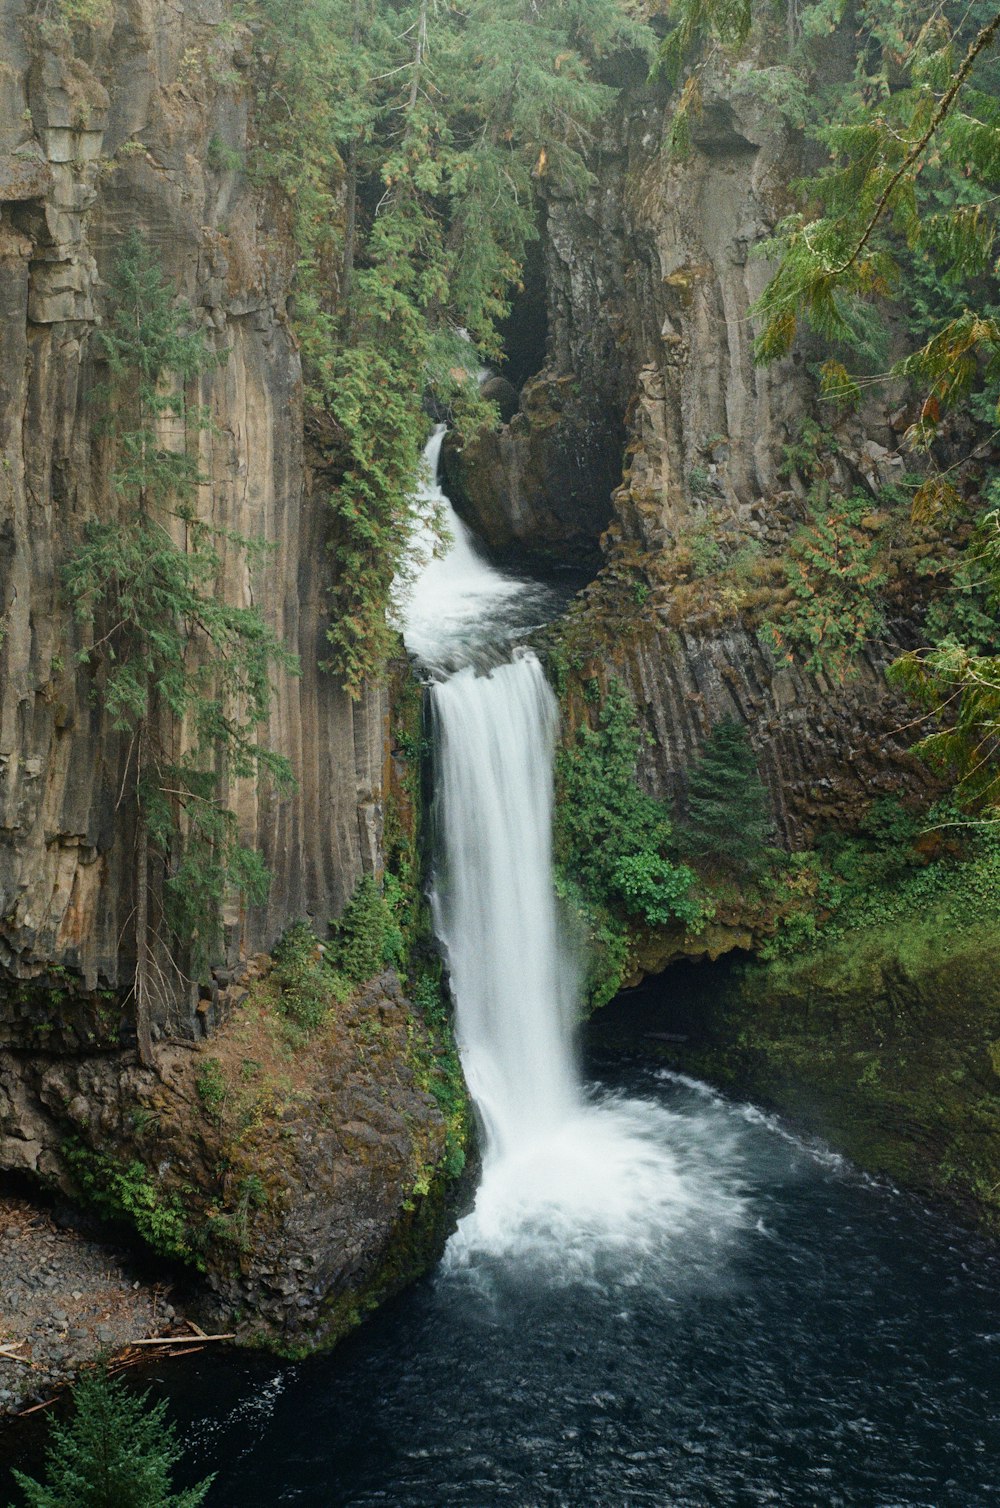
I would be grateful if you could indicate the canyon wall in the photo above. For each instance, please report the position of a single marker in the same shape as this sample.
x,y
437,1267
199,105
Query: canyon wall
x,y
649,284
299,1173
142,121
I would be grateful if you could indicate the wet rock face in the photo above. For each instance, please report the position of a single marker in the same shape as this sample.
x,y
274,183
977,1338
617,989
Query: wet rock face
x,y
538,490
884,1044
142,122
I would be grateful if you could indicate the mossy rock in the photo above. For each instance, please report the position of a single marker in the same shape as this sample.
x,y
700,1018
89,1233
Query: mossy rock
x,y
886,1043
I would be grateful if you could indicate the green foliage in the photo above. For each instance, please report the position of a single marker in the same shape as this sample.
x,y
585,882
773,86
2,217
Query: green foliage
x,y
898,865
440,1070
129,1192
56,18
808,454
697,24
835,571
955,680
171,653
604,940
905,202
705,549
307,980
116,1451
210,1083
610,837
729,814
368,937
222,158
412,140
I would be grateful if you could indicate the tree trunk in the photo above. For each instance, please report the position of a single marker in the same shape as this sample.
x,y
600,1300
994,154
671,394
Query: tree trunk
x,y
143,1003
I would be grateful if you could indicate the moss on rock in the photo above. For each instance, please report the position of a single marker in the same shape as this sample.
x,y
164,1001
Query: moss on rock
x,y
885,1042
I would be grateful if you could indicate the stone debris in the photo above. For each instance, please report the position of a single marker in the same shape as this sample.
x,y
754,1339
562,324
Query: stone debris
x,y
64,1298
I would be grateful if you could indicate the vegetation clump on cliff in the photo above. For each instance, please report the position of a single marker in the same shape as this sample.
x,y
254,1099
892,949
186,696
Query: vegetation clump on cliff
x,y
615,850
412,139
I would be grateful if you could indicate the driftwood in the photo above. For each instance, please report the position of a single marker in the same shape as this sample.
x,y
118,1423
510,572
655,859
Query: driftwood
x,y
9,1348
180,1340
130,1356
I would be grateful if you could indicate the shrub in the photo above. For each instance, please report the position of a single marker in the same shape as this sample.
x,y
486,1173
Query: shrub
x,y
129,1192
367,938
835,576
306,980
611,837
211,1085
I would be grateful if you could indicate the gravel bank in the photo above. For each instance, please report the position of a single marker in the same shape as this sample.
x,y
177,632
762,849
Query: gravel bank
x,y
64,1298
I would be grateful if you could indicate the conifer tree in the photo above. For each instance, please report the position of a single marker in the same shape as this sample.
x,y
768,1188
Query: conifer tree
x,y
116,1451
729,814
185,674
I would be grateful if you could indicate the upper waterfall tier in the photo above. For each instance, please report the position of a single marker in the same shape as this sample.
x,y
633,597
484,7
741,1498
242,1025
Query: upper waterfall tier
x,y
454,607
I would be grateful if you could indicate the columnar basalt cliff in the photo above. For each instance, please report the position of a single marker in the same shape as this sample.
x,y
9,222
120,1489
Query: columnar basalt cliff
x,y
142,119
650,281
147,128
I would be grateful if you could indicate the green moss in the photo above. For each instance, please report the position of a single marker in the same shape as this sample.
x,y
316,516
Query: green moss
x,y
885,1042
437,1069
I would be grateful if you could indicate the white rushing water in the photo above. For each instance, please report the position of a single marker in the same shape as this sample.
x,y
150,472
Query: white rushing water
x,y
566,1176
454,605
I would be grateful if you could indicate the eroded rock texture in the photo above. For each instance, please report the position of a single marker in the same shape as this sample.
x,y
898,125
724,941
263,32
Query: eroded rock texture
x,y
300,1193
143,122
650,281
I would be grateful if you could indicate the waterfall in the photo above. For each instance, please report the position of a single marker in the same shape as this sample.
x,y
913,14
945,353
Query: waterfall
x,y
513,979
566,1176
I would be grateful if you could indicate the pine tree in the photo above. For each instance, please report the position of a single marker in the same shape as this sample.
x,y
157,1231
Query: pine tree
x,y
184,673
114,1452
729,816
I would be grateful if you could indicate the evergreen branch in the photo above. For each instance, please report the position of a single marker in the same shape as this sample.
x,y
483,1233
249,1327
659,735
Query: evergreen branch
x,y
984,40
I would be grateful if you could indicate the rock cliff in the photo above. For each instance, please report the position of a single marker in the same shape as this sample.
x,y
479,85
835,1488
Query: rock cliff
x,y
649,283
142,121
142,118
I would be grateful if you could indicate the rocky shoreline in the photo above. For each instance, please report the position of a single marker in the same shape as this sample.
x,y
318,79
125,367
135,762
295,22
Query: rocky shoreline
x,y
66,1297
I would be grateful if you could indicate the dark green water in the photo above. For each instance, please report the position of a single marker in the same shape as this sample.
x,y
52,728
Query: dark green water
x,y
824,1341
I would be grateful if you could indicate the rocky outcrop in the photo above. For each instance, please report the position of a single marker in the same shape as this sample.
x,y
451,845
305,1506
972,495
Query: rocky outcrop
x,y
141,120
538,489
300,1181
886,1044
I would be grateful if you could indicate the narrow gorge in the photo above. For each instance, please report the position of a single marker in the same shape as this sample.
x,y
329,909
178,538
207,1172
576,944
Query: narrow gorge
x,y
499,694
